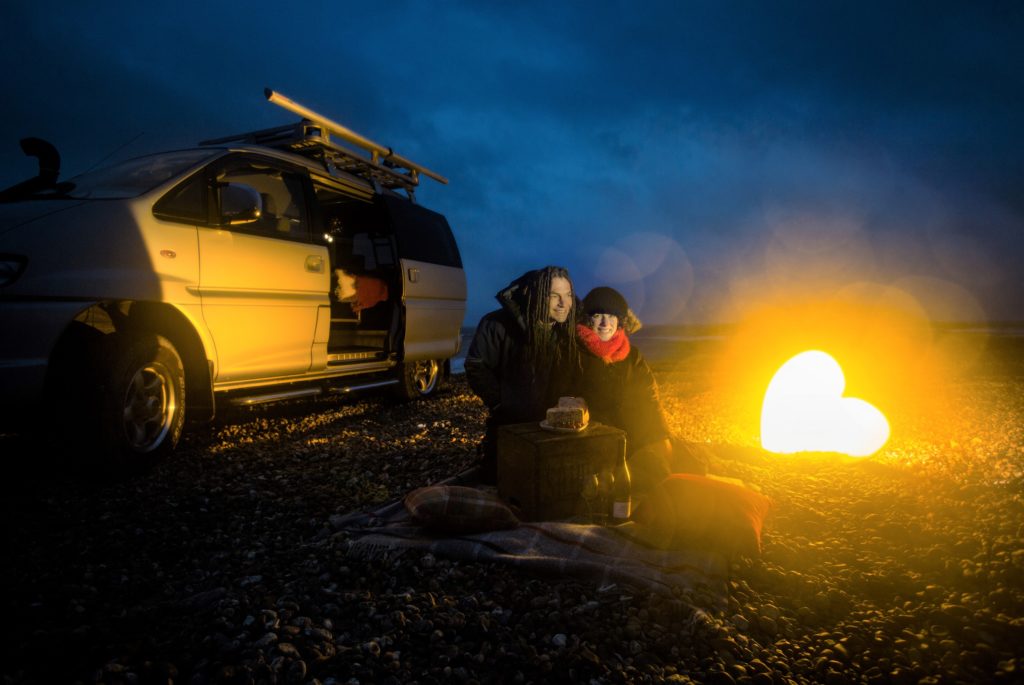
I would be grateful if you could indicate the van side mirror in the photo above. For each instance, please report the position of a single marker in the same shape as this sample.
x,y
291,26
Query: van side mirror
x,y
239,204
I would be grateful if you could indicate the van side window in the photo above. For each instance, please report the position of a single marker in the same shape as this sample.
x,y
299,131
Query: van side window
x,y
185,202
422,235
283,211
352,228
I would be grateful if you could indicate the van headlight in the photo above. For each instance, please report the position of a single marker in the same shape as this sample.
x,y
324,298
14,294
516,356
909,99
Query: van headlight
x,y
11,266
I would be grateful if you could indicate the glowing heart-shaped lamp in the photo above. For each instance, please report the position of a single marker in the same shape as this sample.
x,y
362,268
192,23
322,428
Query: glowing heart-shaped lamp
x,y
804,411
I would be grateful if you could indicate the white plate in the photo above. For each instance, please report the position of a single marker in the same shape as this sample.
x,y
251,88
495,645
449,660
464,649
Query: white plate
x,y
558,429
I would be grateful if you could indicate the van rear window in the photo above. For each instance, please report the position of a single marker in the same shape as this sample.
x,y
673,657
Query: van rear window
x,y
422,235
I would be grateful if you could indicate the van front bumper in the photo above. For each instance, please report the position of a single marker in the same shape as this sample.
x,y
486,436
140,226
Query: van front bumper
x,y
29,330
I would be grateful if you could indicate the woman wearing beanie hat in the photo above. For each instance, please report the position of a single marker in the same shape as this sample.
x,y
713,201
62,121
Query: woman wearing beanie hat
x,y
619,387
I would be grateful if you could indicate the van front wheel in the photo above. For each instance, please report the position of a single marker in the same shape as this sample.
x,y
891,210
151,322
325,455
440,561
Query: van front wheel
x,y
142,402
419,379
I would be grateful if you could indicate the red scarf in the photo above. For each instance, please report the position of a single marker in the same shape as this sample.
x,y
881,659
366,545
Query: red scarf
x,y
612,350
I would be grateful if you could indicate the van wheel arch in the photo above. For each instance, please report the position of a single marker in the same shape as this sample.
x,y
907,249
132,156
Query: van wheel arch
x,y
87,350
167,321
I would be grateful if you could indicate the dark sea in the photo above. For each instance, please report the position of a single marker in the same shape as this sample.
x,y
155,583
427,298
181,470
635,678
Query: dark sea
x,y
661,342
656,342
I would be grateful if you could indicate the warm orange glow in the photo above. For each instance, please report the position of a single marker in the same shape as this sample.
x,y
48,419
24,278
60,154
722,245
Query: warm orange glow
x,y
892,354
804,411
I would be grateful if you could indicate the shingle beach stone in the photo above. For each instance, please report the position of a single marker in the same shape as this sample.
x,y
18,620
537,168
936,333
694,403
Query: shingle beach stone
x,y
225,564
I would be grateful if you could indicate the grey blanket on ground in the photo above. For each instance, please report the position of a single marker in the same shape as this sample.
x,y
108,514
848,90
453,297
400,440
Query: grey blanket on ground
x,y
608,556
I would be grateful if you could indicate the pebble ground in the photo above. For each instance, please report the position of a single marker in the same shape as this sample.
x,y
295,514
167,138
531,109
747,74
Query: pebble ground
x,y
222,565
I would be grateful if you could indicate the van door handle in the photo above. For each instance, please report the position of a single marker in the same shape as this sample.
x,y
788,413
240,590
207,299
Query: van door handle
x,y
414,274
315,264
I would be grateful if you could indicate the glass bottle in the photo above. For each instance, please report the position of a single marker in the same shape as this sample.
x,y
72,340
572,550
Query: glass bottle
x,y
622,497
589,493
605,487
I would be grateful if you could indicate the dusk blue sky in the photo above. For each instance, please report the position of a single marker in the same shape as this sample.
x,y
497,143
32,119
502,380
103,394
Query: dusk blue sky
x,y
698,156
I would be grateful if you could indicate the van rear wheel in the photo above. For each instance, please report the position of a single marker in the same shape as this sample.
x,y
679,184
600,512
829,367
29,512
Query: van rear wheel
x,y
419,379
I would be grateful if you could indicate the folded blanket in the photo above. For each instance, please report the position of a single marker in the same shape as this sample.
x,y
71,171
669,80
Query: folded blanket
x,y
605,555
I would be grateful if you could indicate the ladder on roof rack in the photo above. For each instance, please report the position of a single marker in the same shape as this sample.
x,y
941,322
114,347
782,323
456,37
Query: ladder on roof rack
x,y
312,137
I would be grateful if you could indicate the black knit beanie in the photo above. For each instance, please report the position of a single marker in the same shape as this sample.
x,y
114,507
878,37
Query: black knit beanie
x,y
605,300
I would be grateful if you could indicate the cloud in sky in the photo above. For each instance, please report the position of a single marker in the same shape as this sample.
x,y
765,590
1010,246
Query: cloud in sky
x,y
691,154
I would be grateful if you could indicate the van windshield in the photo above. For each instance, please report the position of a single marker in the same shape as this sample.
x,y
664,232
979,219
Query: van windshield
x,y
135,176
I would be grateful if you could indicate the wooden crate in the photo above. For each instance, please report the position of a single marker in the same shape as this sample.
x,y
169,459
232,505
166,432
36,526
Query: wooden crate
x,y
542,471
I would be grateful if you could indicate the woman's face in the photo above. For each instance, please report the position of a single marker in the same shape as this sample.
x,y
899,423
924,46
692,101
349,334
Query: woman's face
x,y
604,325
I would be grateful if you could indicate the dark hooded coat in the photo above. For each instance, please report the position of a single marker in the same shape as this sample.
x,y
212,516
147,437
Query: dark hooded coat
x,y
498,367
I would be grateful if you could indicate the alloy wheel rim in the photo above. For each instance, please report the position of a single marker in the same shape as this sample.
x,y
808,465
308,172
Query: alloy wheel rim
x,y
149,406
425,376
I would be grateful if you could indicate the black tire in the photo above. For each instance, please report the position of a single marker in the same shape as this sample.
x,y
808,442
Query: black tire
x,y
141,408
420,378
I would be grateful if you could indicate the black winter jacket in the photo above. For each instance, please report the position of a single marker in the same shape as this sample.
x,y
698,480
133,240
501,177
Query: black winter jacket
x,y
498,371
624,394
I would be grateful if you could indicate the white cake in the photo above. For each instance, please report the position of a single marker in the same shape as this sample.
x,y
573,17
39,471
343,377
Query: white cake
x,y
571,413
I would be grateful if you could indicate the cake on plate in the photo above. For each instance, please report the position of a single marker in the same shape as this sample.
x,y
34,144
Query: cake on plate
x,y
570,414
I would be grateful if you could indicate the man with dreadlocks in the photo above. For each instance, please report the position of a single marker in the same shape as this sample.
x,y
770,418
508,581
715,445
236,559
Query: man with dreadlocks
x,y
523,355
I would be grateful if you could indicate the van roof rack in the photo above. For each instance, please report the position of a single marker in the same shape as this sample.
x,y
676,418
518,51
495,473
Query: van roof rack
x,y
311,137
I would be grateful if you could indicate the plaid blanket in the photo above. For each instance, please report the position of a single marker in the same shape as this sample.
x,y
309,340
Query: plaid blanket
x,y
605,555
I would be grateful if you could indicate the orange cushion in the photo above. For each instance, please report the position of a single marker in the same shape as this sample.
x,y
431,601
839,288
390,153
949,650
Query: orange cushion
x,y
687,510
457,509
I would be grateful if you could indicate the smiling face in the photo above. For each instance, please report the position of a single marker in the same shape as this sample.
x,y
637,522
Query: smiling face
x,y
604,325
560,299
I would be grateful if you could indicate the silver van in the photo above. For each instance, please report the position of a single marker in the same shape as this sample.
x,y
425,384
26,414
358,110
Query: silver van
x,y
263,266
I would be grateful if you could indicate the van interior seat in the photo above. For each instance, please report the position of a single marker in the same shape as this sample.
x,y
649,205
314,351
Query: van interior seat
x,y
270,218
